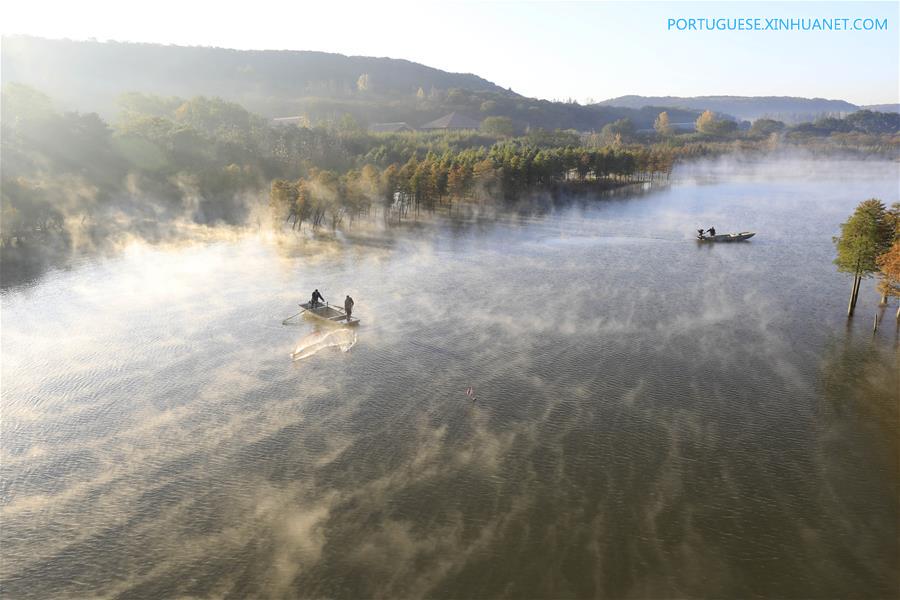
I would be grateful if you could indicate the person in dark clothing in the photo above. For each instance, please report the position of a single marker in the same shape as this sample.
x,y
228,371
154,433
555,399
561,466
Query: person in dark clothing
x,y
348,306
316,299
700,234
712,231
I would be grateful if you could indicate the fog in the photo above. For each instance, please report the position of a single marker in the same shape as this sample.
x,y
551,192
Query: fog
x,y
654,418
786,164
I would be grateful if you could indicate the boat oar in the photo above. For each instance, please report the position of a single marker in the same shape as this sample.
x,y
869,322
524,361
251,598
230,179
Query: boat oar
x,y
292,316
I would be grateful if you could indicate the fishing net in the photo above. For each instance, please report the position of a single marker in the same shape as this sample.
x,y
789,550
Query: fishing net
x,y
342,338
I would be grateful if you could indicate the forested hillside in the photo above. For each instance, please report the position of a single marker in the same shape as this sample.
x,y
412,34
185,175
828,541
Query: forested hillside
x,y
784,108
320,87
91,74
167,161
173,148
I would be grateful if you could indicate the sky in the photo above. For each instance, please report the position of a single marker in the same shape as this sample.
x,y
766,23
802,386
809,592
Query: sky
x,y
551,50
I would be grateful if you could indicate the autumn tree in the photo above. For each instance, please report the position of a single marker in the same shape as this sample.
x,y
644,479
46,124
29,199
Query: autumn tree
x,y
889,272
421,184
662,125
302,204
704,121
370,183
439,178
390,184
485,177
710,124
889,262
282,195
459,181
866,235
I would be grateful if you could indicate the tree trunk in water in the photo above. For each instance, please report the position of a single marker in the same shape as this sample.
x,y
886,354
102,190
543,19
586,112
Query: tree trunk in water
x,y
853,291
850,303
856,291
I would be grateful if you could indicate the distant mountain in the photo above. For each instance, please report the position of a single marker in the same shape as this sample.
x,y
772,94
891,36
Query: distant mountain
x,y
890,108
784,108
89,75
314,87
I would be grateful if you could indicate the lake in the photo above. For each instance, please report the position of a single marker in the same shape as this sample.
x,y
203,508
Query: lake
x,y
653,418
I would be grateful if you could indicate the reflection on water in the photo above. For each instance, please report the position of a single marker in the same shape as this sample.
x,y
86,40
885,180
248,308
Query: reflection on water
x,y
653,420
341,337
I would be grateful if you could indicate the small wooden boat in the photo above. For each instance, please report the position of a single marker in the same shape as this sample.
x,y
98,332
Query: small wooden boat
x,y
328,312
727,237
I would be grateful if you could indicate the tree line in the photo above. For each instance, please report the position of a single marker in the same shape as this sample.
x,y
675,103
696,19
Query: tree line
x,y
504,172
204,160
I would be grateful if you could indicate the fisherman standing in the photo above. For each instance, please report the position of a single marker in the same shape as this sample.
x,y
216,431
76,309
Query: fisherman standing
x,y
712,231
316,298
348,306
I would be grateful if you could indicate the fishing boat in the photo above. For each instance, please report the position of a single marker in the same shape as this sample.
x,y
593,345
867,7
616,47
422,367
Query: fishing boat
x,y
727,237
329,312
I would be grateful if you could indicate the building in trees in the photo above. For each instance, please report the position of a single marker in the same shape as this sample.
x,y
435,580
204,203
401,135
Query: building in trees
x,y
390,127
453,121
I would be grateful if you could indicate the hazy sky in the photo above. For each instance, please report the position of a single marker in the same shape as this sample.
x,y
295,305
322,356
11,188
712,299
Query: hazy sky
x,y
544,49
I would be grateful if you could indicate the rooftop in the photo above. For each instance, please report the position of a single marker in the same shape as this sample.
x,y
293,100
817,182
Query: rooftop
x,y
453,121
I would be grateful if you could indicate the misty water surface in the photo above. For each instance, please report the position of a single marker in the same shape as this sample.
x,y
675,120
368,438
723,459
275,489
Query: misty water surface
x,y
654,418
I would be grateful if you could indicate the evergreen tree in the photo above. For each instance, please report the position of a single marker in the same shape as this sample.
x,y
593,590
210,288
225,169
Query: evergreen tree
x,y
866,235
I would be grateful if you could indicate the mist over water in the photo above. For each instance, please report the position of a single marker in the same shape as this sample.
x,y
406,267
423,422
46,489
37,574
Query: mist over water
x,y
654,418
